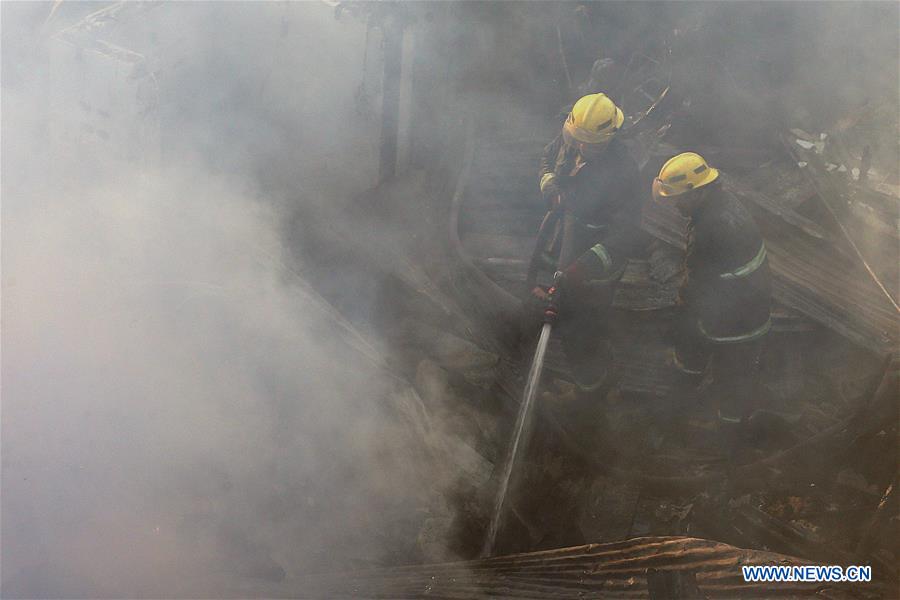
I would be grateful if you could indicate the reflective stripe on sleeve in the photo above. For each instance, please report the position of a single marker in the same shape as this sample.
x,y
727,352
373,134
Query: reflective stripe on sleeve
x,y
732,339
749,267
592,387
727,419
603,255
679,364
547,177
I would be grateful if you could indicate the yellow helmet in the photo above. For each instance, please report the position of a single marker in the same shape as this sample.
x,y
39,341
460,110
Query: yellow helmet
x,y
683,173
594,120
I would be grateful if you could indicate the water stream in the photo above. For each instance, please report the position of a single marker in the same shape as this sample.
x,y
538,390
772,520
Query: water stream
x,y
531,387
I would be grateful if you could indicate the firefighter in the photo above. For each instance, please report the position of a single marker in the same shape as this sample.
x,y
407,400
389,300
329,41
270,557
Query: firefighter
x,y
590,171
724,299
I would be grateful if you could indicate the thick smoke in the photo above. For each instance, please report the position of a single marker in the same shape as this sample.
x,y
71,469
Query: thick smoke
x,y
182,415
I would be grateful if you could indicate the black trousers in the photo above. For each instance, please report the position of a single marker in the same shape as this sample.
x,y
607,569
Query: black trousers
x,y
728,372
584,332
733,376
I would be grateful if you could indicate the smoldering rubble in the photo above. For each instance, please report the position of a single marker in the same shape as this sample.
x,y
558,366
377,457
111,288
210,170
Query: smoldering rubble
x,y
263,281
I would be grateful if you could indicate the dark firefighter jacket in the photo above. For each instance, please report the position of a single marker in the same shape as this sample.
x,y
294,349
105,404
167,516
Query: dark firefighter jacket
x,y
604,196
727,287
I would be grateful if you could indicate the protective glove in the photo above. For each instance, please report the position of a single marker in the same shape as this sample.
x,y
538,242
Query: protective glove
x,y
595,265
540,293
543,298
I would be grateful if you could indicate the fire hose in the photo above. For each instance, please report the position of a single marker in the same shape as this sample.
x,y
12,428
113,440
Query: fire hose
x,y
532,382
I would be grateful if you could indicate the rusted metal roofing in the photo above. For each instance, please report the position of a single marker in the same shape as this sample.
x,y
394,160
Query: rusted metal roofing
x,y
610,570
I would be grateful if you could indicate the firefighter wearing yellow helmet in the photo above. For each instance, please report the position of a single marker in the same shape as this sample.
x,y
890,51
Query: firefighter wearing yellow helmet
x,y
725,296
589,128
683,173
593,122
589,170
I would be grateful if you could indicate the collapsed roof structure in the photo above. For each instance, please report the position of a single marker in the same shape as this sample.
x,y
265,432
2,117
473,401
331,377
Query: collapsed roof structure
x,y
655,567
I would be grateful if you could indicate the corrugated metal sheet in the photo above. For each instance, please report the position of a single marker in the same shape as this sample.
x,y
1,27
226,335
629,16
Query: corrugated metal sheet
x,y
611,570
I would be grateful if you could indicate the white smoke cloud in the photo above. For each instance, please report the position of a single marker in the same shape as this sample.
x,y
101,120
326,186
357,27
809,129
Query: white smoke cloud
x,y
181,414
